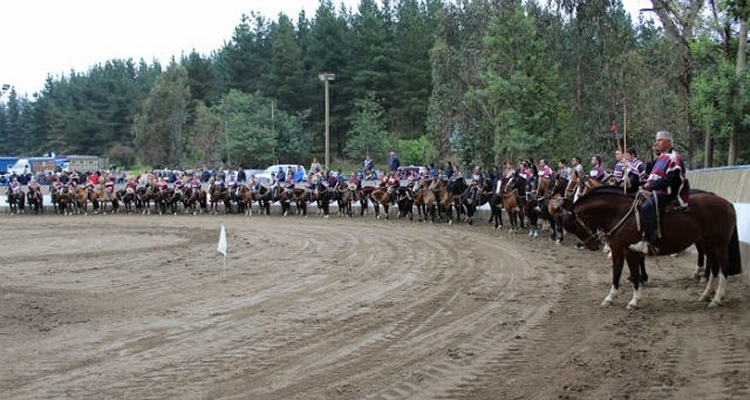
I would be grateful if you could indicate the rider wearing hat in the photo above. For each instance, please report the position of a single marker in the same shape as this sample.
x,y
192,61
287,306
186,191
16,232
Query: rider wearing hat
x,y
667,182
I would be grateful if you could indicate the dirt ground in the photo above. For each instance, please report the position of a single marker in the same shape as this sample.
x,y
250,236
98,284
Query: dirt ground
x,y
308,308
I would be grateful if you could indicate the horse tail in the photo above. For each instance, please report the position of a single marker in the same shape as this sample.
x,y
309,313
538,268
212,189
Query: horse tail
x,y
735,262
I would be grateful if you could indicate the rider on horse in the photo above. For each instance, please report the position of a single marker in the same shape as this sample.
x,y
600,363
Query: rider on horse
x,y
15,186
109,188
635,171
33,185
667,182
478,178
393,185
597,171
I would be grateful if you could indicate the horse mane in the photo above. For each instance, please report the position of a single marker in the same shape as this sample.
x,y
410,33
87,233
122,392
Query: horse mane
x,y
605,190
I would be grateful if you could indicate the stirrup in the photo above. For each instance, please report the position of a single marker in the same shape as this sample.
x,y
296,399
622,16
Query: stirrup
x,y
640,247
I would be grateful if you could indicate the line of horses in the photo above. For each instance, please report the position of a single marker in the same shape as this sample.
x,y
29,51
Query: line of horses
x,y
433,199
601,213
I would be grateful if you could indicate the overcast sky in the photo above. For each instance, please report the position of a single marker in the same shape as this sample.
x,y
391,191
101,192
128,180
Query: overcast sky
x,y
51,37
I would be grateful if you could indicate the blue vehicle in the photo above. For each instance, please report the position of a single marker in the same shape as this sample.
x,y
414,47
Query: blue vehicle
x,y
6,162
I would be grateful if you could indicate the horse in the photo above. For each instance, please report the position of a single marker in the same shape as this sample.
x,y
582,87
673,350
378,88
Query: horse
x,y
709,221
364,196
321,193
108,195
173,198
143,195
382,196
35,200
65,200
302,196
443,200
285,196
81,199
405,203
196,200
219,194
264,196
245,202
127,196
16,200
347,195
491,195
551,205
513,190
459,192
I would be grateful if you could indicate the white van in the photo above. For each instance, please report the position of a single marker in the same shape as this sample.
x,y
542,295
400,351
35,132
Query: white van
x,y
21,166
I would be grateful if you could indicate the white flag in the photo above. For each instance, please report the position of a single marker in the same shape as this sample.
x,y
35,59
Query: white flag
x,y
222,242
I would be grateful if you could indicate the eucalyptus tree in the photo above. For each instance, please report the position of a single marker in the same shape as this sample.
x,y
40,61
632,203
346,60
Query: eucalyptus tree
x,y
255,132
330,53
285,74
522,83
158,127
244,59
413,38
369,135
457,67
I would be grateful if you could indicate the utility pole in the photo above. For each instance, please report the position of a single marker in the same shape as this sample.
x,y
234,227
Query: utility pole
x,y
327,77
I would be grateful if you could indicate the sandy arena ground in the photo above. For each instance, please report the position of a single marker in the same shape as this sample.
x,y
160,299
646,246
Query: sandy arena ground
x,y
138,307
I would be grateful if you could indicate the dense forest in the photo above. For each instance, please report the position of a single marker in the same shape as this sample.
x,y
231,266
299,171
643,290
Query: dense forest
x,y
477,82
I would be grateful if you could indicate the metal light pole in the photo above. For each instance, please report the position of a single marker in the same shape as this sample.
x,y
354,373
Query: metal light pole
x,y
327,77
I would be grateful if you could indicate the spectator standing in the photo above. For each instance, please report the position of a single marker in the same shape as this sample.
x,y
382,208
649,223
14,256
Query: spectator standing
x,y
368,164
393,161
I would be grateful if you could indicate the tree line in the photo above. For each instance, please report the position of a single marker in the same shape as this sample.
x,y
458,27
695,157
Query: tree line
x,y
477,82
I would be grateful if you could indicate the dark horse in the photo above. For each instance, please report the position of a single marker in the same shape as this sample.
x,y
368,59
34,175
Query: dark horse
x,y
16,200
709,221
35,200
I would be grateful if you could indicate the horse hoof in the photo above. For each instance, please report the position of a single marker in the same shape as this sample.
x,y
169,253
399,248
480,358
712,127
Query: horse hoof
x,y
714,304
607,302
632,306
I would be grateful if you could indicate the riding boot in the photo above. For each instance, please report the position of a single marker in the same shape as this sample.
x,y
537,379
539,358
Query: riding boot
x,y
646,245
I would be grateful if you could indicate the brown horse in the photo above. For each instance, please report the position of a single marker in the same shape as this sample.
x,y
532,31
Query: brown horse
x,y
346,196
381,196
553,196
363,196
709,221
285,196
245,202
35,200
511,195
443,200
108,195
16,200
81,199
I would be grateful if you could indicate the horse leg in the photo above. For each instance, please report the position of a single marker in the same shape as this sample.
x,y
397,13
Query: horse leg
x,y
614,290
635,262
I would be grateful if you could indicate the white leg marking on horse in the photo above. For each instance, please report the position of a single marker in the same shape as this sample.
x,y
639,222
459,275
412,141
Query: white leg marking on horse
x,y
709,291
635,302
696,272
613,292
721,291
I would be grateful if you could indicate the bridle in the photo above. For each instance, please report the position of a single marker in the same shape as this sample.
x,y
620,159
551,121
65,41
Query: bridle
x,y
597,236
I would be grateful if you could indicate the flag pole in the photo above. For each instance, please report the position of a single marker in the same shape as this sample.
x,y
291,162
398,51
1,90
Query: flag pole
x,y
624,142
222,248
